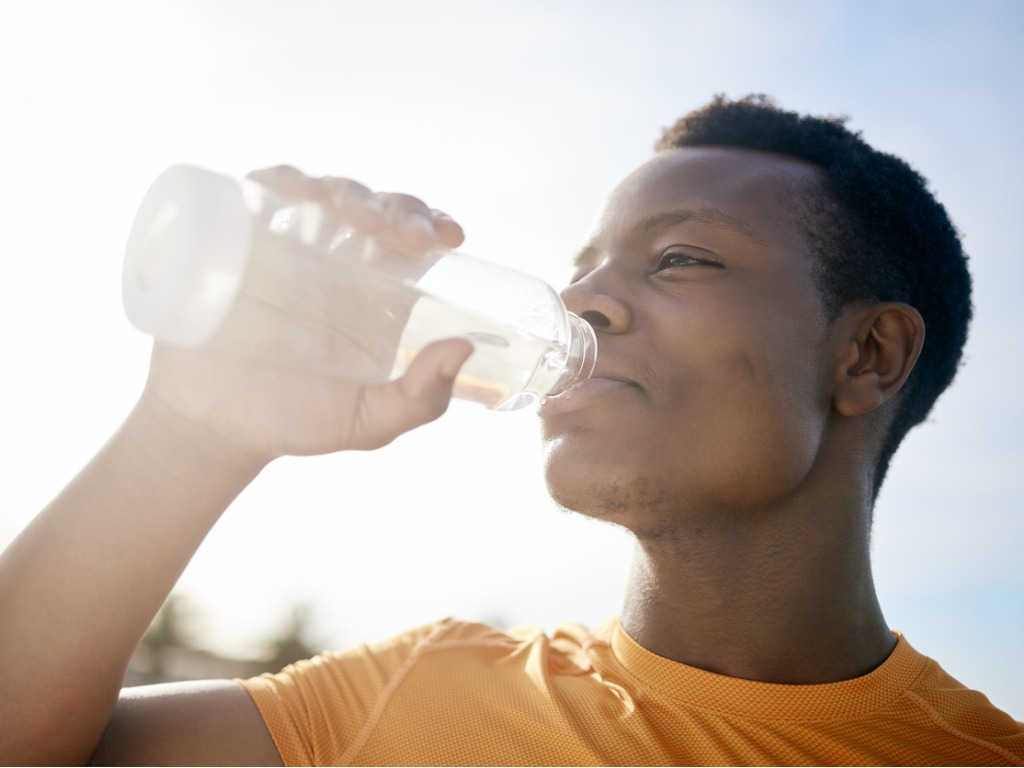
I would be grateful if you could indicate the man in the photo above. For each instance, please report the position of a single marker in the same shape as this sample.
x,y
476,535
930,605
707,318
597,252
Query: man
x,y
761,290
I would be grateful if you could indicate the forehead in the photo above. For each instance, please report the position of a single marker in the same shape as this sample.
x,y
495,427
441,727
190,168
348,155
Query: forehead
x,y
756,193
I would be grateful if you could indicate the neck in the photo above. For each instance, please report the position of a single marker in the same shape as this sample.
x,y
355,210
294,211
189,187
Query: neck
x,y
777,596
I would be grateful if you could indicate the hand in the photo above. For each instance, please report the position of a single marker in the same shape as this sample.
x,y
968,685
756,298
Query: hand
x,y
251,406
403,221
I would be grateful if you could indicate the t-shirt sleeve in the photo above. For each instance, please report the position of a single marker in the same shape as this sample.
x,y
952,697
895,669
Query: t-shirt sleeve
x,y
318,710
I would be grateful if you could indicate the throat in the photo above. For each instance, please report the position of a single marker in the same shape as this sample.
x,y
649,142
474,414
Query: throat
x,y
773,611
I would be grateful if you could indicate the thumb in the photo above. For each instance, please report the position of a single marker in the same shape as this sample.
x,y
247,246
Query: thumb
x,y
419,396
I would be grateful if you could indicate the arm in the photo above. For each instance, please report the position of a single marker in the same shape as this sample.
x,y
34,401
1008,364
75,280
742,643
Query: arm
x,y
212,722
80,585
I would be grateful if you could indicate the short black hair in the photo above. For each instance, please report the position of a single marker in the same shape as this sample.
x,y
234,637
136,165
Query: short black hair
x,y
878,233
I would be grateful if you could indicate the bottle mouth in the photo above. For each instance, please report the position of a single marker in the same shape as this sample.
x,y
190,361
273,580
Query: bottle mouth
x,y
581,356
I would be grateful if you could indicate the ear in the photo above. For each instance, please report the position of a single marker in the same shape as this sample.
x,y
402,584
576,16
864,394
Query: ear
x,y
883,341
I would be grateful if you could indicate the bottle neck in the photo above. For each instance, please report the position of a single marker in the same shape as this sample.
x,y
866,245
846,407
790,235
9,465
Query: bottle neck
x,y
581,355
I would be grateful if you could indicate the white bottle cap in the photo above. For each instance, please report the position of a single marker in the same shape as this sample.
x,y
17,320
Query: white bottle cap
x,y
186,255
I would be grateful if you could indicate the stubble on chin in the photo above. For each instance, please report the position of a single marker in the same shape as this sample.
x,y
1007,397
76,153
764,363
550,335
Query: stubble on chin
x,y
640,504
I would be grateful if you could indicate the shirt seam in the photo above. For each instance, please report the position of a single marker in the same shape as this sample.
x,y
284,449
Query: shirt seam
x,y
393,684
936,717
642,688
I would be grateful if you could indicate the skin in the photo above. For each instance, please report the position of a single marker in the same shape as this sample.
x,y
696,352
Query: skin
x,y
729,426
750,422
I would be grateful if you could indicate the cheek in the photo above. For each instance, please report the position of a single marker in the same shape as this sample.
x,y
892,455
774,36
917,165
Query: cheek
x,y
755,415
769,462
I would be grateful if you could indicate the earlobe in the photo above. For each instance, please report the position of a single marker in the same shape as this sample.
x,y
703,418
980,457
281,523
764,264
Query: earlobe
x,y
883,343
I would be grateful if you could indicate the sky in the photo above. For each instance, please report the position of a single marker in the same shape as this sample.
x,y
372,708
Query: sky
x,y
517,118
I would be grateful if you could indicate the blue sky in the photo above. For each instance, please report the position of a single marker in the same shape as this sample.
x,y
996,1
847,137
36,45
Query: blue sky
x,y
516,117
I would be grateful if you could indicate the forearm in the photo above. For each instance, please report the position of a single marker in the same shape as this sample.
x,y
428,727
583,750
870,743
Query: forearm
x,y
81,584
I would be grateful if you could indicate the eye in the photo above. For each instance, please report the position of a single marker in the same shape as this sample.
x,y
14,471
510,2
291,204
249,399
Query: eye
x,y
679,256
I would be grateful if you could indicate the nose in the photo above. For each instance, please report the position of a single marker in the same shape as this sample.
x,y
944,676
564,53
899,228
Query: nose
x,y
605,312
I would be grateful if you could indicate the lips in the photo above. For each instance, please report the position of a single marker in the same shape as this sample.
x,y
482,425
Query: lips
x,y
582,395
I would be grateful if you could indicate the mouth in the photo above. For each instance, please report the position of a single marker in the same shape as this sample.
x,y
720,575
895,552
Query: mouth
x,y
583,395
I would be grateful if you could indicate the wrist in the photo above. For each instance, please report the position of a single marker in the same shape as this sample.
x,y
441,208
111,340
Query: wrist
x,y
186,447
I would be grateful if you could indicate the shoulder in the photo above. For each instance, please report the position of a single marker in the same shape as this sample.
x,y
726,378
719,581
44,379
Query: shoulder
x,y
449,649
457,635
964,714
377,697
464,643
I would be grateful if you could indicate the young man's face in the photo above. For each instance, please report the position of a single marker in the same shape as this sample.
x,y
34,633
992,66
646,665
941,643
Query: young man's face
x,y
712,388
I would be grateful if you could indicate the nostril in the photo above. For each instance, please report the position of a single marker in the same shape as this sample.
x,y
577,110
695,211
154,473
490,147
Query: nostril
x,y
599,321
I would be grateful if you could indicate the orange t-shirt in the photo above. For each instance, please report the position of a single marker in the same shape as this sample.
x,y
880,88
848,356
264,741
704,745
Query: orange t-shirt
x,y
456,693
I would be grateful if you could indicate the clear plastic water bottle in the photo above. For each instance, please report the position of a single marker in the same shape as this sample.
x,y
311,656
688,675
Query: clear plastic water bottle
x,y
224,262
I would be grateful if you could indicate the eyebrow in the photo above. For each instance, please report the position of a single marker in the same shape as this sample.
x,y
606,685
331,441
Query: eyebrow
x,y
665,219
706,215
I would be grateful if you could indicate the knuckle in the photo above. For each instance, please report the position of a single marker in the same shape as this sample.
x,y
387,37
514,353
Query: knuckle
x,y
346,193
343,187
401,203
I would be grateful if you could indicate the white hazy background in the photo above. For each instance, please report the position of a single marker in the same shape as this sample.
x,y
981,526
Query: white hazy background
x,y
517,118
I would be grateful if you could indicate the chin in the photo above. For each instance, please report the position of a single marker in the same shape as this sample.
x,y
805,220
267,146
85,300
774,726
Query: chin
x,y
607,490
581,486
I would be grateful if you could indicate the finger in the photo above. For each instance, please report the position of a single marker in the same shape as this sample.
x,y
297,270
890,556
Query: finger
x,y
353,203
404,221
347,202
449,233
418,397
410,223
